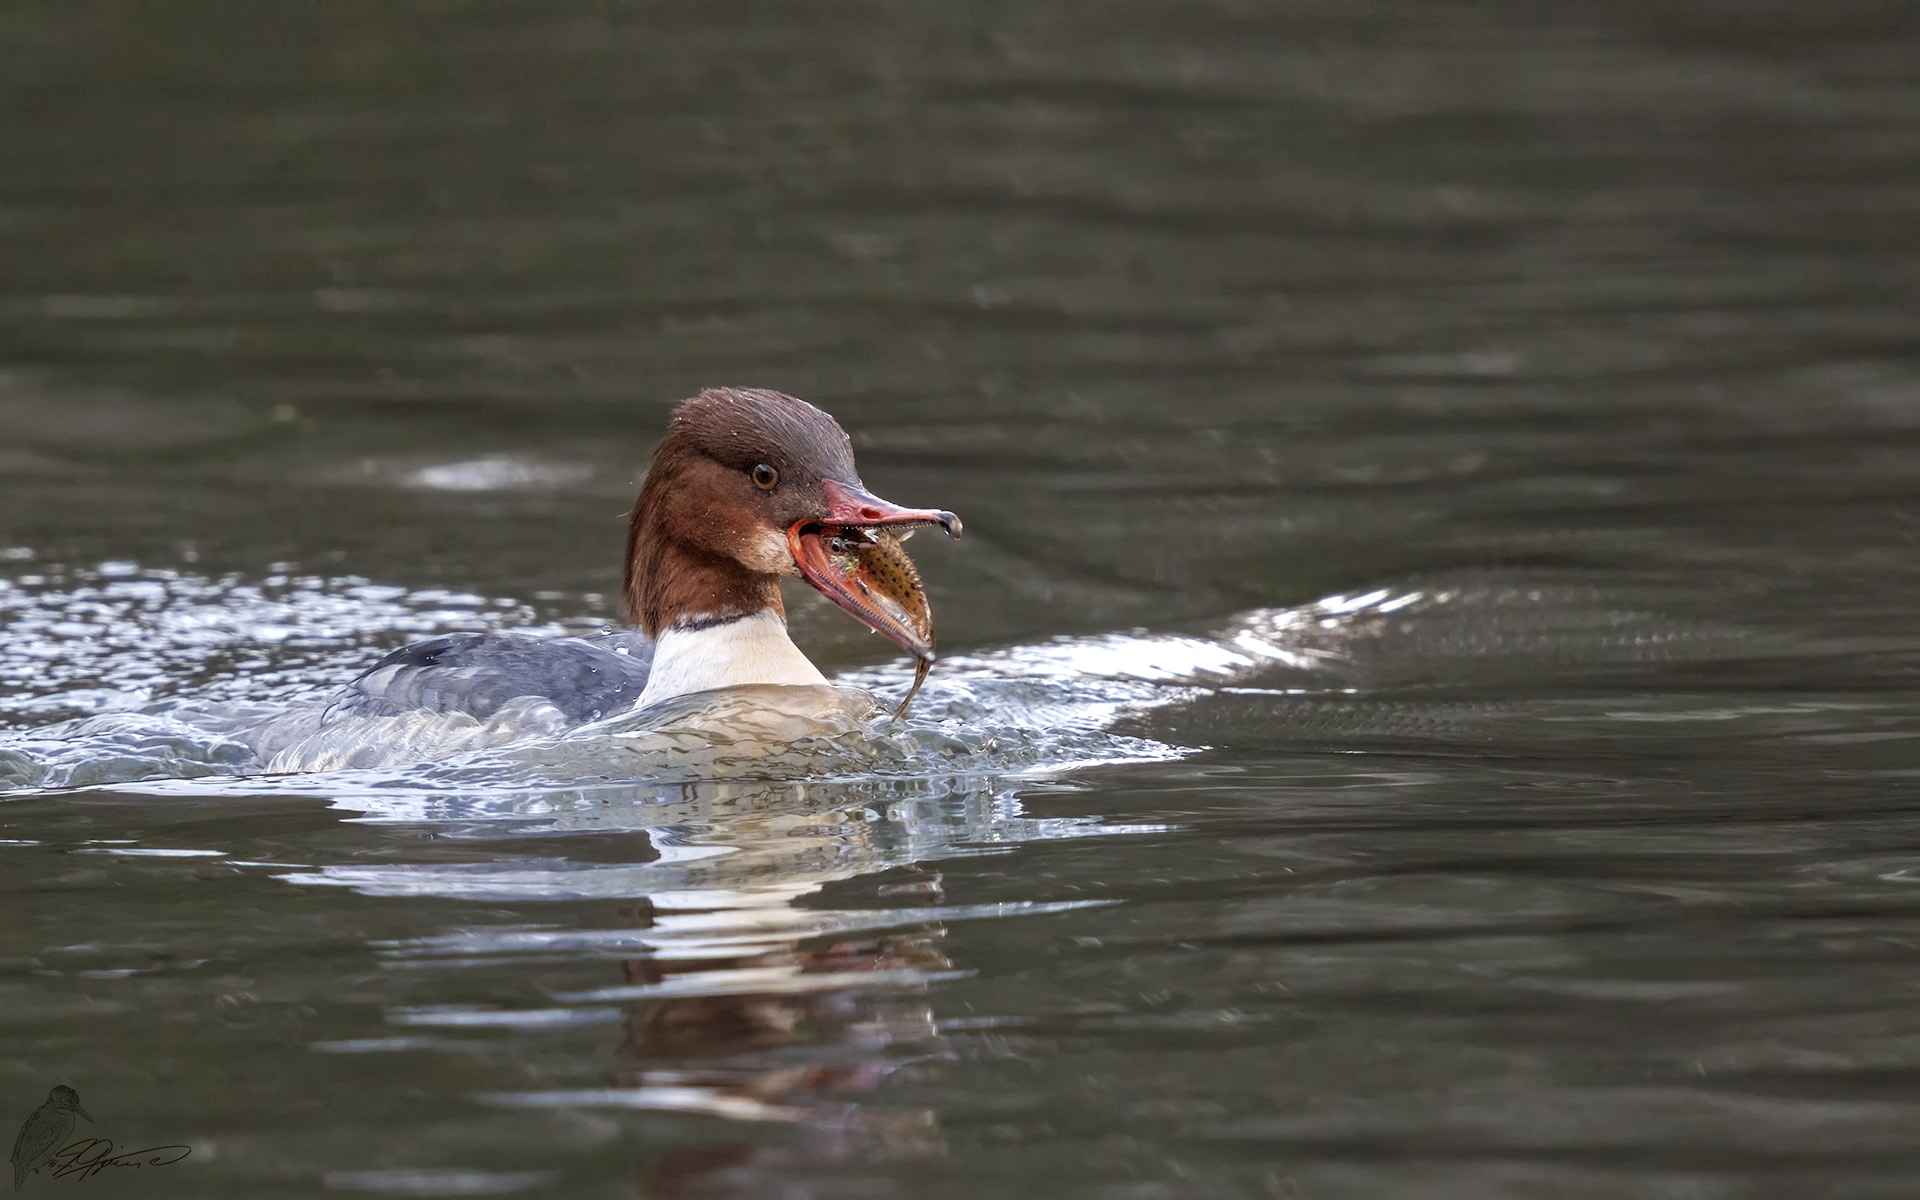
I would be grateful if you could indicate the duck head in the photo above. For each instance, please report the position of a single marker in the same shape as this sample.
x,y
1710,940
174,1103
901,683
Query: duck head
x,y
749,486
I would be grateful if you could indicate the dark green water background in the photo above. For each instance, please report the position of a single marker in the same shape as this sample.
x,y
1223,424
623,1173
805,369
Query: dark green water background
x,y
1603,318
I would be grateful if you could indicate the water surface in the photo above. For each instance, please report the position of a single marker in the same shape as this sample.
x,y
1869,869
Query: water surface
x,y
1429,706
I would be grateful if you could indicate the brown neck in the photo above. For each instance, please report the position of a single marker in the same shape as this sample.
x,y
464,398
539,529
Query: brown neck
x,y
670,582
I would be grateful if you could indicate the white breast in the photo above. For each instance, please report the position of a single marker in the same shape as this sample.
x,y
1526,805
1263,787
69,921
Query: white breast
x,y
753,649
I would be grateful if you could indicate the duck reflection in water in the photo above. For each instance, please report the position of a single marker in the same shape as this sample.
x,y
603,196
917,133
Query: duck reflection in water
x,y
736,1014
797,1058
780,946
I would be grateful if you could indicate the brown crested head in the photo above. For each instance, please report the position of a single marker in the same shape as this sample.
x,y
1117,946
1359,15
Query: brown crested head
x,y
739,470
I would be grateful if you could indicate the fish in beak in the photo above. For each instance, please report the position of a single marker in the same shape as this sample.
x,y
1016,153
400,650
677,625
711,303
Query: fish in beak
x,y
854,557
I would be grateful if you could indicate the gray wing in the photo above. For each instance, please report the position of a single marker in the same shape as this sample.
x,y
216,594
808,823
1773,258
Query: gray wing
x,y
451,695
20,1143
477,674
39,1138
20,1152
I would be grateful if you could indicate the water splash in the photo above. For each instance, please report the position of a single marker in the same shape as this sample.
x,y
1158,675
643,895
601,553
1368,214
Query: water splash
x,y
179,665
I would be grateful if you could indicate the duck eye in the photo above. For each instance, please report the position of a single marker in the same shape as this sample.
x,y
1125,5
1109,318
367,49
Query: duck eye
x,y
765,477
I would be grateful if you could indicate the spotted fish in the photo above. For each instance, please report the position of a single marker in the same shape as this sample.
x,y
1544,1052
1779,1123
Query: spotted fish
x,y
871,571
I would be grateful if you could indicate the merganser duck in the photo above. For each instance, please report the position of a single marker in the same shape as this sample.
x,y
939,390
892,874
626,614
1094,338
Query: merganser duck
x,y
748,486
